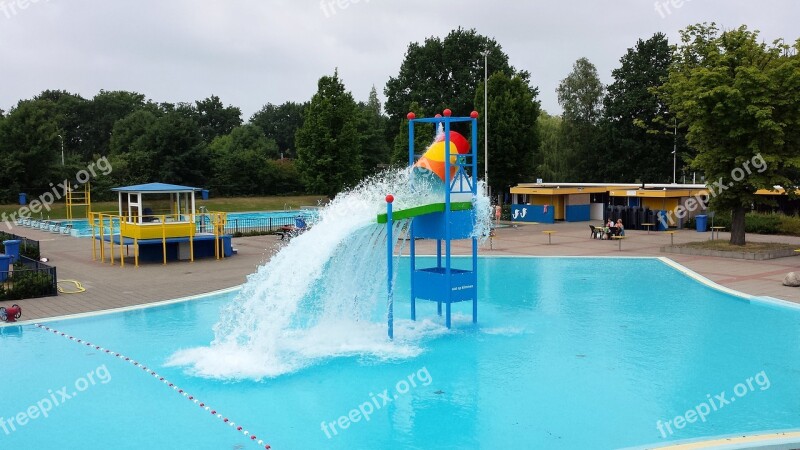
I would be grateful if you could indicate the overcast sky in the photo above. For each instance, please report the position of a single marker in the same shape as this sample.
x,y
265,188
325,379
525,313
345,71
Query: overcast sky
x,y
251,52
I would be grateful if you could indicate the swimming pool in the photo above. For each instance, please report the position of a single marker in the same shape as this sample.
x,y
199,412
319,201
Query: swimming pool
x,y
568,353
237,221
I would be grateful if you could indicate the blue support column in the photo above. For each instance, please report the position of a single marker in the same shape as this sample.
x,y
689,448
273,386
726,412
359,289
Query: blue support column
x,y
389,264
413,239
475,271
413,258
447,211
474,198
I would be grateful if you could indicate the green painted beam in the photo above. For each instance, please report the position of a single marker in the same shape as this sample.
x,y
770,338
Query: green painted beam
x,y
424,209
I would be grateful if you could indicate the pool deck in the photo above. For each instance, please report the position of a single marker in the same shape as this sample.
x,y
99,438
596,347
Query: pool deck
x,y
110,287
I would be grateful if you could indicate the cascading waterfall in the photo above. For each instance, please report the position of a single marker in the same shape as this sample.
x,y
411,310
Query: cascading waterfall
x,y
324,294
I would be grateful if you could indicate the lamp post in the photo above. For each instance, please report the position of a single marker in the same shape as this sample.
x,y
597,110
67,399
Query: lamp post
x,y
674,151
486,119
62,148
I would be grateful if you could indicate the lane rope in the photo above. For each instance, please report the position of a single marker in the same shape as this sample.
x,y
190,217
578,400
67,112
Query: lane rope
x,y
158,377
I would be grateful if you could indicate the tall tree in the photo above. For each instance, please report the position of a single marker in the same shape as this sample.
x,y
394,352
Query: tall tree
x,y
72,114
132,154
739,99
216,119
328,143
105,109
281,123
513,135
552,162
166,147
633,114
30,149
443,73
239,161
580,95
372,128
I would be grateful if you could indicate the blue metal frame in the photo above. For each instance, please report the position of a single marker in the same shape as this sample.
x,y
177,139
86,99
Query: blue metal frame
x,y
442,283
389,254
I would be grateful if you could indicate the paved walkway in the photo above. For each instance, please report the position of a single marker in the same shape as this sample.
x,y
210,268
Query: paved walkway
x,y
114,287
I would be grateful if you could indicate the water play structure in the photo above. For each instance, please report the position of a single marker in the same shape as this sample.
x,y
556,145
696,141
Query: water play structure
x,y
454,163
159,221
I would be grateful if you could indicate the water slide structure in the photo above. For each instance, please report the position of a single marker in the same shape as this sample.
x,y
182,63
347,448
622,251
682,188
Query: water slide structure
x,y
452,162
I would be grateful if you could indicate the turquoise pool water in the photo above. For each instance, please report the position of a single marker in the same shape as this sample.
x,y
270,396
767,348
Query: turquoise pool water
x,y
241,219
569,353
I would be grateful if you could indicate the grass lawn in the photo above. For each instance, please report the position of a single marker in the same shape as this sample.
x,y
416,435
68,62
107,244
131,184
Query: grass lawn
x,y
723,246
235,204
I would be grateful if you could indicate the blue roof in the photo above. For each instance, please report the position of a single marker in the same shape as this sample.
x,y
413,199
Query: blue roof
x,y
156,188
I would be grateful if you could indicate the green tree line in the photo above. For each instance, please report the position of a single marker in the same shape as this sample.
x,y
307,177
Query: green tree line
x,y
672,112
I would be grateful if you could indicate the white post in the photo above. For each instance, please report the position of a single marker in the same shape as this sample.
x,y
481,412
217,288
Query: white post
x,y
486,120
674,151
62,148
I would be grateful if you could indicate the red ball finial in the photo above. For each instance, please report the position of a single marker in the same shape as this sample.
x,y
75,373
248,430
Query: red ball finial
x,y
438,116
447,112
474,114
411,116
389,198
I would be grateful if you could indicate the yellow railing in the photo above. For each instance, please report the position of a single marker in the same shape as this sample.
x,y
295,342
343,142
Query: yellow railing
x,y
77,198
115,227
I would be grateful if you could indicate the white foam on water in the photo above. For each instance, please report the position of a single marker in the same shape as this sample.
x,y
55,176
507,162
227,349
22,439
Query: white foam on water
x,y
505,331
324,294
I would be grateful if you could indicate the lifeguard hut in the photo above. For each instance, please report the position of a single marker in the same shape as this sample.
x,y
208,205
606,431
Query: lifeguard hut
x,y
454,161
160,222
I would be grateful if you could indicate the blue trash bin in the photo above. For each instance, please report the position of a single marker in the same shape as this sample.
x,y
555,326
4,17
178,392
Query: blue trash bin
x,y
5,262
701,223
662,220
12,249
204,194
23,198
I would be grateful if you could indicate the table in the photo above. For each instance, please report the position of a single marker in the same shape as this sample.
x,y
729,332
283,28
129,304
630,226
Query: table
x,y
549,236
618,239
648,225
717,229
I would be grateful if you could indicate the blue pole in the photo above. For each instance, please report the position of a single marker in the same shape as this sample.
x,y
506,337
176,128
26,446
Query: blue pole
x,y
411,142
474,196
389,262
413,249
474,155
447,233
413,252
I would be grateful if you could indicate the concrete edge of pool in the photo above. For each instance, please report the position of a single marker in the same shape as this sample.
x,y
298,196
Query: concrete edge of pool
x,y
125,308
773,440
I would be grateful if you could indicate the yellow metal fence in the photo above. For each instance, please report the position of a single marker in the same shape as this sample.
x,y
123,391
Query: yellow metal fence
x,y
113,227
